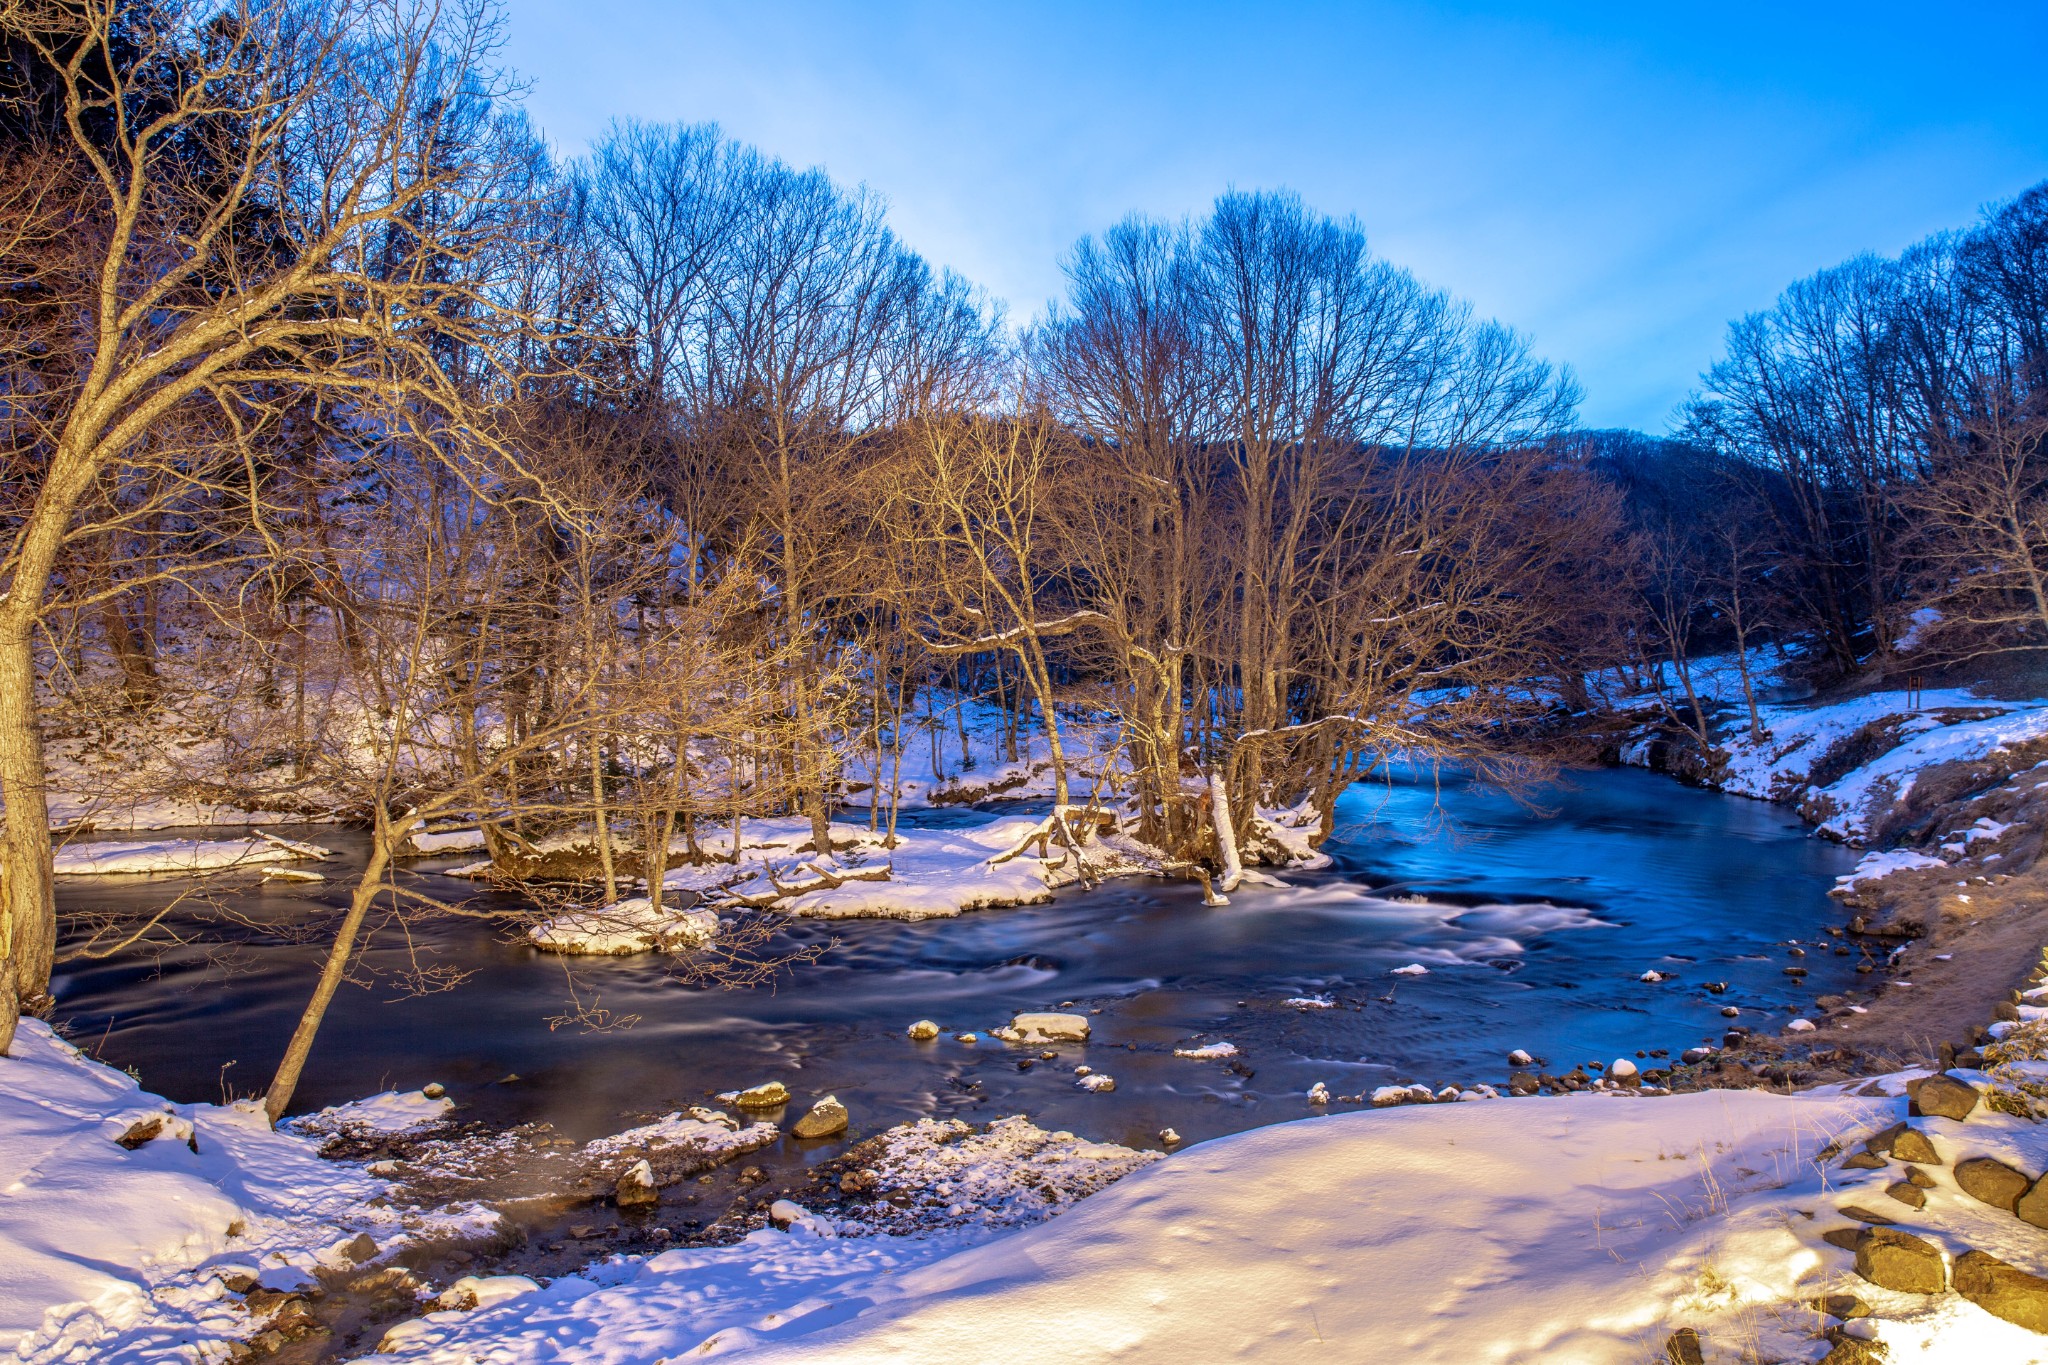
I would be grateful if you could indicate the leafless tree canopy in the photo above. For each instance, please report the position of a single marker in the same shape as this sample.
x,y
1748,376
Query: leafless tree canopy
x,y
612,503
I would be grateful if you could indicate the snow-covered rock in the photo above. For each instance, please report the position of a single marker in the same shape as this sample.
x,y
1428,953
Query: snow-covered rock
x,y
630,926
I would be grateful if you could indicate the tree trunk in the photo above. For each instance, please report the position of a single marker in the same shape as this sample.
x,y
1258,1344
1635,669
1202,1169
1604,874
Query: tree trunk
x,y
28,935
372,881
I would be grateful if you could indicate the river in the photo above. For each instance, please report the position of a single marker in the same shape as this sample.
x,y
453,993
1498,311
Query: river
x,y
1535,919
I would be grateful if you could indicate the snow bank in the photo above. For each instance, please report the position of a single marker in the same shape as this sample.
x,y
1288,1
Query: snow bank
x,y
630,926
1877,866
1571,1229
388,1114
115,1255
180,855
1949,726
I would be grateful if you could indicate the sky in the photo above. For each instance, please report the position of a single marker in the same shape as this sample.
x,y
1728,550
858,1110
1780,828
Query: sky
x,y
1617,181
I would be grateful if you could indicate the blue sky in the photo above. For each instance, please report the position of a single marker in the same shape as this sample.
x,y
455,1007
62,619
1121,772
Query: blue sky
x,y
1618,180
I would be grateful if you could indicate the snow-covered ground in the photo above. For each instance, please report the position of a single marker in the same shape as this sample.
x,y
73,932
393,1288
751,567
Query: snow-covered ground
x,y
114,1253
109,858
929,874
1949,725
1582,1229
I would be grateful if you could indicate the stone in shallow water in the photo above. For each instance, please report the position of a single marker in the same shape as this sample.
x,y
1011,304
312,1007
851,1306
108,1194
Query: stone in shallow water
x,y
923,1030
2002,1290
636,1188
827,1118
1046,1028
1891,1259
1991,1182
768,1095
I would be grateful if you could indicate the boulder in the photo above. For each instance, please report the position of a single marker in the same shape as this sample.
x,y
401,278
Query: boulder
x,y
1913,1145
1882,1142
1891,1259
1046,1028
2033,1205
1683,1348
1865,1161
362,1247
1909,1194
770,1095
1944,1097
1991,1182
1622,1070
828,1117
924,1030
2002,1290
636,1188
1916,1176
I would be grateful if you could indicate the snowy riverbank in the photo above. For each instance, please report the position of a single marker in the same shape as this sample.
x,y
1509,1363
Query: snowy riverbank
x,y
1587,1228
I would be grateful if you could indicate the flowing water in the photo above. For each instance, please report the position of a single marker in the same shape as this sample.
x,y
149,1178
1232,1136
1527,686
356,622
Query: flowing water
x,y
1535,923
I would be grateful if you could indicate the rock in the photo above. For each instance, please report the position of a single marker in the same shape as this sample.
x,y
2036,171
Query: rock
x,y
1891,1259
1848,1239
636,1188
1622,1070
1991,1182
1800,1026
360,1248
1913,1145
434,1090
1693,1056
1683,1348
769,1095
1319,1093
828,1117
1520,1058
1863,1215
1856,1351
142,1132
965,1038
2002,1290
1522,1083
1865,1161
1098,1083
1945,1097
1046,1028
1843,1306
2033,1205
1907,1193
1168,1138
924,1030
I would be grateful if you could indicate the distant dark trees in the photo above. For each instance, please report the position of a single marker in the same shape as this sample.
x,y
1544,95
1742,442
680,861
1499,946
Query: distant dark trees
x,y
1885,418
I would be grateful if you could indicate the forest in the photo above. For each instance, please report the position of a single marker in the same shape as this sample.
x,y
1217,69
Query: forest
x,y
430,477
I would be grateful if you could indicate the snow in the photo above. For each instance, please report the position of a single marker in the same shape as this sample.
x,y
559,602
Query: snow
x,y
1412,969
629,926
1876,866
1579,1229
179,855
390,1113
1950,725
1207,1052
447,841
115,1256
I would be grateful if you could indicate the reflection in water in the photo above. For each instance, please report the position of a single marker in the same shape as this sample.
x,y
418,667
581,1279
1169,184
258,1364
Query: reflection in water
x,y
1534,924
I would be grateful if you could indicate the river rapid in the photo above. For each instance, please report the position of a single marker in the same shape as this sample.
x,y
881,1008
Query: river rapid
x,y
1535,920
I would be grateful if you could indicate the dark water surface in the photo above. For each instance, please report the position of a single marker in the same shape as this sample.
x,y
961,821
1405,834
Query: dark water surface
x,y
1535,925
